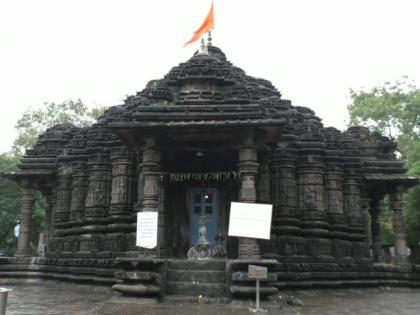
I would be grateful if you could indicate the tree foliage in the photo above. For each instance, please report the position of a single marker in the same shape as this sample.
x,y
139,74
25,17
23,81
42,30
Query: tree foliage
x,y
393,109
34,122
29,127
9,205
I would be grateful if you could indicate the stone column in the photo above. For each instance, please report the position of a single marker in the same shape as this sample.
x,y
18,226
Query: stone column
x,y
311,191
99,188
248,169
353,198
341,247
97,203
263,186
78,191
27,202
286,224
120,216
378,254
48,217
151,195
62,211
63,195
400,243
121,192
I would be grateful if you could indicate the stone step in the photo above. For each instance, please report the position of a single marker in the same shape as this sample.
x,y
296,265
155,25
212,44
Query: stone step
x,y
196,289
137,289
182,299
57,276
178,264
251,290
211,276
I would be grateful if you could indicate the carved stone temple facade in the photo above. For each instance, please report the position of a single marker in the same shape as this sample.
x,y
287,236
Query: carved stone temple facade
x,y
185,147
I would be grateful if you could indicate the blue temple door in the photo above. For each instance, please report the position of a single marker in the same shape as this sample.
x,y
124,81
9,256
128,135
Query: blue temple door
x,y
203,201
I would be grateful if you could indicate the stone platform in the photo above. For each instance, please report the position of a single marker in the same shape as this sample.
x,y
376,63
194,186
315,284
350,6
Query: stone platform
x,y
56,297
212,281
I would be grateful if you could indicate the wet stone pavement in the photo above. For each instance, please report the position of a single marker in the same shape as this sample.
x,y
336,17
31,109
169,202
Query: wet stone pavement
x,y
51,298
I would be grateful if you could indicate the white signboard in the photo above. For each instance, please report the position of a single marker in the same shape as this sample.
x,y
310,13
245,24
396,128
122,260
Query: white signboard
x,y
252,220
147,225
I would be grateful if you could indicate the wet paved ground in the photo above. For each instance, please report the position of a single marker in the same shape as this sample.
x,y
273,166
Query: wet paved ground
x,y
51,298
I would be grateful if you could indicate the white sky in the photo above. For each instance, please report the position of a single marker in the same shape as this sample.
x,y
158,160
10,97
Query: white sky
x,y
100,51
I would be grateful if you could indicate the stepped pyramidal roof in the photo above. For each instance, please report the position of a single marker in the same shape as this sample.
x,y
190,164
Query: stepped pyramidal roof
x,y
205,90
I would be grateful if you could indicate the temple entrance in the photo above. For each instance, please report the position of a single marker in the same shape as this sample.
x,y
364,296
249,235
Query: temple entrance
x,y
203,206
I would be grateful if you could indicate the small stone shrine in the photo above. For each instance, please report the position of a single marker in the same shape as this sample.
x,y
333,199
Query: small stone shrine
x,y
187,146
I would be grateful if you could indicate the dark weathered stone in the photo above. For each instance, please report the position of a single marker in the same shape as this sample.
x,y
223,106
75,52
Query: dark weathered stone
x,y
294,302
196,288
204,117
137,289
243,276
24,247
251,290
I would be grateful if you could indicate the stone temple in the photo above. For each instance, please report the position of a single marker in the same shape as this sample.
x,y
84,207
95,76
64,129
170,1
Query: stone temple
x,y
187,146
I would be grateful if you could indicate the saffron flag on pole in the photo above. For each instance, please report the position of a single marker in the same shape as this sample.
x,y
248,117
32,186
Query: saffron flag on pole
x,y
206,26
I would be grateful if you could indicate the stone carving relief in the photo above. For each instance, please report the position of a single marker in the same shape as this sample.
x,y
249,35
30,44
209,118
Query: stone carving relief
x,y
119,190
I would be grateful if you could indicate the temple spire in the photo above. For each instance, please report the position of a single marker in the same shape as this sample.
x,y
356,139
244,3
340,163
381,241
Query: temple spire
x,y
209,39
203,48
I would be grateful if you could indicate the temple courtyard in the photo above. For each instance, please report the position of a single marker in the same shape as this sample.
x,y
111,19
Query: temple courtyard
x,y
51,297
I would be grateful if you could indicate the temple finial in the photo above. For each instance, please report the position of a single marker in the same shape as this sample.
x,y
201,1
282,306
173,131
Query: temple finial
x,y
203,48
209,39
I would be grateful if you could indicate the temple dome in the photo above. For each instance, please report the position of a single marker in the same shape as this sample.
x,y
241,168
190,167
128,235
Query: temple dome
x,y
204,79
206,88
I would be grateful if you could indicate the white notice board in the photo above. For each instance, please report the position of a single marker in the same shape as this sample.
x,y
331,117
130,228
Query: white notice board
x,y
252,220
147,225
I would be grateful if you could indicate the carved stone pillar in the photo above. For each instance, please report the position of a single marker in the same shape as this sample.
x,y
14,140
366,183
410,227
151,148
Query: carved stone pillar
x,y
120,216
121,192
248,169
378,253
63,195
27,202
353,205
52,243
341,247
63,199
311,193
151,195
367,257
78,191
98,196
50,198
353,199
286,224
263,187
400,243
97,203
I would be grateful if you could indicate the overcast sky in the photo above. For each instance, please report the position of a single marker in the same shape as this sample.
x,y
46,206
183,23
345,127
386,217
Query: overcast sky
x,y
100,51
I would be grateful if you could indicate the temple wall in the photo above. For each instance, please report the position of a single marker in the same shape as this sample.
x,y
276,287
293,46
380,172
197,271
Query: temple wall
x,y
319,199
314,184
313,176
94,209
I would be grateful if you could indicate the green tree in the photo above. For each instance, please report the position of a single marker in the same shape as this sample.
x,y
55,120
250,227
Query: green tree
x,y
29,127
9,205
34,122
393,109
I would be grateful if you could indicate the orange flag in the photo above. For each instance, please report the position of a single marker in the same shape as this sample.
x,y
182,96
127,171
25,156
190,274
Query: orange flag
x,y
206,26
